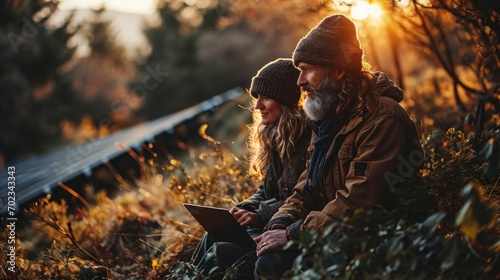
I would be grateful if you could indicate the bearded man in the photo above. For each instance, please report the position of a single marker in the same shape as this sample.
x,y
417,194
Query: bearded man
x,y
364,142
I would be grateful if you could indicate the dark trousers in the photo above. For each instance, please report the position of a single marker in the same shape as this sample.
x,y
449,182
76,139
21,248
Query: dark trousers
x,y
273,265
213,259
202,248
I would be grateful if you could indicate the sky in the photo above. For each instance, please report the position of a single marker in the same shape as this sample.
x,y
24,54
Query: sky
x,y
127,6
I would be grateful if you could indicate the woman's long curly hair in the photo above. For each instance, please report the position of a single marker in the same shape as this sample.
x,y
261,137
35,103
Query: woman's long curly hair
x,y
279,136
356,92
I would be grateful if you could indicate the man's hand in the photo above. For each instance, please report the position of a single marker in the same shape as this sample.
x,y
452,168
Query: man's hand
x,y
245,217
271,240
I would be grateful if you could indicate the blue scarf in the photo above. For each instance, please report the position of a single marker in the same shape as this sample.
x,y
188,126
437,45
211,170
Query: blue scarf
x,y
325,130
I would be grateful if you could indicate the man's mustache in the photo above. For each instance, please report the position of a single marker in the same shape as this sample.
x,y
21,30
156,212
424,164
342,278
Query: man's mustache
x,y
308,88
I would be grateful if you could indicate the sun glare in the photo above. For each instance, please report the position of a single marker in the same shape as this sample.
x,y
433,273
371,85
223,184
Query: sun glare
x,y
363,10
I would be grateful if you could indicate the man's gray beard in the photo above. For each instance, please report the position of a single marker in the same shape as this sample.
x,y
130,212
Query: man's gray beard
x,y
319,105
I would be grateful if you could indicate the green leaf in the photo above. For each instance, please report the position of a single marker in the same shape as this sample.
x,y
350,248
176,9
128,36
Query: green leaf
x,y
467,221
493,168
474,214
485,153
451,252
432,221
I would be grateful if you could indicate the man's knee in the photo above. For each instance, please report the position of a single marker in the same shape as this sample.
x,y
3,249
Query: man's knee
x,y
274,264
264,267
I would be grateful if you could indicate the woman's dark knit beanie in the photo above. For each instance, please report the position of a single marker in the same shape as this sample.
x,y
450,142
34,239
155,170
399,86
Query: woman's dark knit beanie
x,y
277,80
332,43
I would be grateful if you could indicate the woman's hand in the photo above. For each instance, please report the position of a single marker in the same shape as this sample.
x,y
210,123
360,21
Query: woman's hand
x,y
245,217
271,240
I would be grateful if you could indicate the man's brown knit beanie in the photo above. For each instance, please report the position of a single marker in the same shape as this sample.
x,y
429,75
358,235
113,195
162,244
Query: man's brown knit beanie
x,y
333,42
277,80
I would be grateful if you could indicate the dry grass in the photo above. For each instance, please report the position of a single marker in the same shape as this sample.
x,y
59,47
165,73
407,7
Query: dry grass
x,y
141,233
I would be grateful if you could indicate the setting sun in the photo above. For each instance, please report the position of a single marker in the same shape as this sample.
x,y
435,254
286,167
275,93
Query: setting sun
x,y
363,10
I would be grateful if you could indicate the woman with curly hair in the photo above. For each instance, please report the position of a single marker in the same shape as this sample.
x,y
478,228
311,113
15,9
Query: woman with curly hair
x,y
278,142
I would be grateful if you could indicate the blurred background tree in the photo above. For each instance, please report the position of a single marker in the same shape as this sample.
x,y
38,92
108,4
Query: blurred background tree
x,y
199,55
167,74
35,88
50,96
460,42
102,78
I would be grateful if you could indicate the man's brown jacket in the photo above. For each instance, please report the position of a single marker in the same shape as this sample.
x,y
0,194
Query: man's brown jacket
x,y
370,155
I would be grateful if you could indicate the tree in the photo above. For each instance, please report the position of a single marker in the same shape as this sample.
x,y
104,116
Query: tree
x,y
34,87
102,40
166,77
196,57
463,38
102,76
